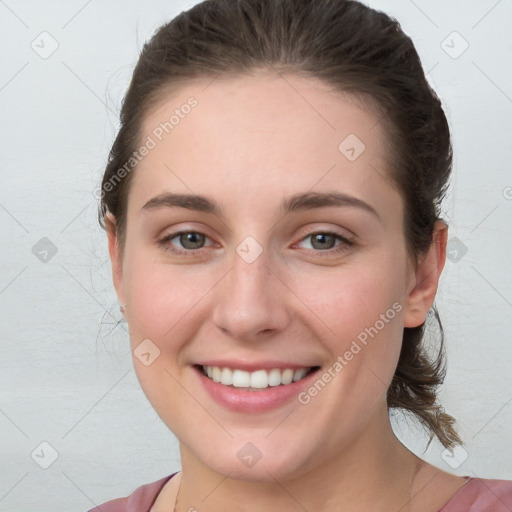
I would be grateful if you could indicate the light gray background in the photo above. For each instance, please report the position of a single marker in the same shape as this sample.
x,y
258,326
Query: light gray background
x,y
66,370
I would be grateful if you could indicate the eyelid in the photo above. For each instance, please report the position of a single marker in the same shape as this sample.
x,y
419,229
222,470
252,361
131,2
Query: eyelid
x,y
346,243
164,241
185,227
342,233
172,236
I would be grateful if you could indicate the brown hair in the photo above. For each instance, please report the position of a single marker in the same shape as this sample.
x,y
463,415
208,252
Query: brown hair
x,y
355,49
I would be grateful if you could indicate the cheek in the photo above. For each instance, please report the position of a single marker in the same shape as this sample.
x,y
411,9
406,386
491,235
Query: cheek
x,y
358,311
161,300
349,300
161,297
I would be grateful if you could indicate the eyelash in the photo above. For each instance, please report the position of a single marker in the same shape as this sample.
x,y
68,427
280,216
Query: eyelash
x,y
164,243
344,246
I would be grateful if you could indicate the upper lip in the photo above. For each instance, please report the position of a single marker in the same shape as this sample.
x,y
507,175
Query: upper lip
x,y
254,365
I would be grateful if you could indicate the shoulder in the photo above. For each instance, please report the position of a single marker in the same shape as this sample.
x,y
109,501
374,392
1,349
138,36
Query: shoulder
x,y
140,500
482,495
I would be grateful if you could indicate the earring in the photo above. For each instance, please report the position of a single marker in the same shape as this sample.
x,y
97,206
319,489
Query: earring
x,y
122,307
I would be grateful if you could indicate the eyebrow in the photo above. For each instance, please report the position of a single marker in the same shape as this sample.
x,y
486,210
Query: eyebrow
x,y
188,201
311,200
296,202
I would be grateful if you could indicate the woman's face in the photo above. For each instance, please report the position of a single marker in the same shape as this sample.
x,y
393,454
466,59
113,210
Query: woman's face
x,y
263,234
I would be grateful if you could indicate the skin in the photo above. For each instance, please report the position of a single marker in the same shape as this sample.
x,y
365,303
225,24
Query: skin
x,y
251,142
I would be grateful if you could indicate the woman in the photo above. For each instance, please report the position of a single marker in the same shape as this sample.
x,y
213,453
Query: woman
x,y
272,204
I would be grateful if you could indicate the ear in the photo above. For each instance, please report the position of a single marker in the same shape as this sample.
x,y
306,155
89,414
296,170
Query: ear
x,y
426,277
115,256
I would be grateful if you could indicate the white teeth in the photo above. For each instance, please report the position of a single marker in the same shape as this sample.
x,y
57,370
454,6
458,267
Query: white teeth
x,y
241,379
226,377
287,376
274,377
259,379
299,374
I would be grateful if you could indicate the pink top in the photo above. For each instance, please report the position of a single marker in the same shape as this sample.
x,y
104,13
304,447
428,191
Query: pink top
x,y
476,495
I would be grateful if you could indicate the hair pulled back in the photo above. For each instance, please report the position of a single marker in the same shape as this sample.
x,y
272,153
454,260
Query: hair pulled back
x,y
356,50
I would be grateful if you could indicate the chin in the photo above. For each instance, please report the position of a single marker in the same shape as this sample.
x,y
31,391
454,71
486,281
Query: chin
x,y
259,461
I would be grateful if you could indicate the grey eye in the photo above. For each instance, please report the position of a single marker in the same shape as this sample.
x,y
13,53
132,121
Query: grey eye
x,y
192,240
322,241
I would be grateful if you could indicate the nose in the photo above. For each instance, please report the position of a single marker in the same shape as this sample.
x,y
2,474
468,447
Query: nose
x,y
251,302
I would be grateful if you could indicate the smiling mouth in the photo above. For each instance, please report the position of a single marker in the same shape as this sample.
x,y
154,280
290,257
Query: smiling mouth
x,y
256,380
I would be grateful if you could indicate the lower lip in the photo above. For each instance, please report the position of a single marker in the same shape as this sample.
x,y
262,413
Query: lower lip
x,y
239,400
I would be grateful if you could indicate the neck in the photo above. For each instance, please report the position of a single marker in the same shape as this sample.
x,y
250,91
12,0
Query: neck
x,y
374,472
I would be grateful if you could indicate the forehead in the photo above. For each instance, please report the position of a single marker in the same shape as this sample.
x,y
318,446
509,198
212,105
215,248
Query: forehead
x,y
267,135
